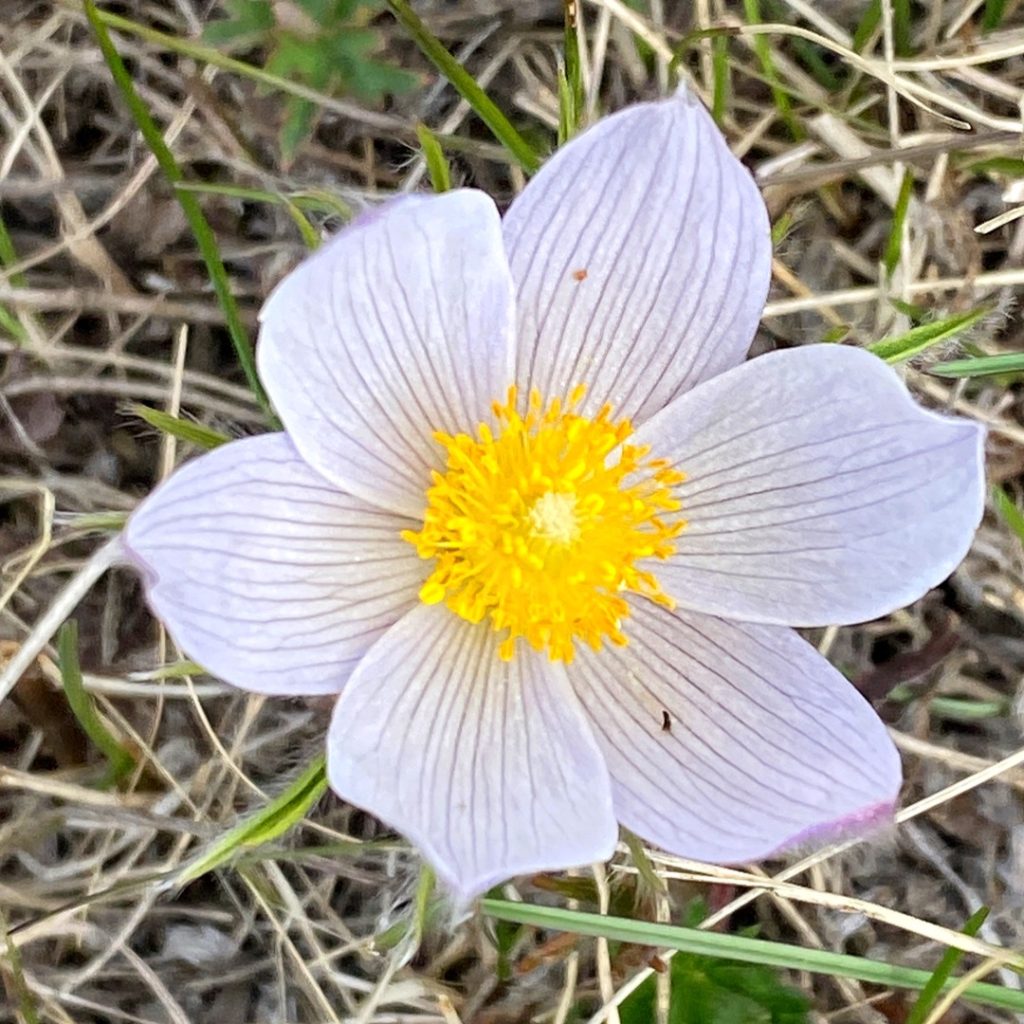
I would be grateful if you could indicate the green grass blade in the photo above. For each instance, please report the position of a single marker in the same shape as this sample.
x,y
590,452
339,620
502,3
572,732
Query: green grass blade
x,y
315,200
763,50
645,869
981,366
1008,165
10,323
437,163
204,236
422,905
97,522
739,947
992,16
466,86
894,246
571,95
867,25
8,257
566,109
120,761
184,430
1011,515
284,811
12,979
811,57
901,20
722,82
310,236
940,978
920,339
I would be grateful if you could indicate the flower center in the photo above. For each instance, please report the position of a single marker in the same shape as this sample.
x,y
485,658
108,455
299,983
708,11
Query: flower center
x,y
542,525
553,518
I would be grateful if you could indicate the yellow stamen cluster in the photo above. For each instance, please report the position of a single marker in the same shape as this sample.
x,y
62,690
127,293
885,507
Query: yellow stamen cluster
x,y
534,526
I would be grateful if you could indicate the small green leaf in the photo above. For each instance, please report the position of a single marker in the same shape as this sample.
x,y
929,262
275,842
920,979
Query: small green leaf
x,y
982,366
943,972
782,227
1010,513
329,48
710,990
183,430
284,811
297,127
917,314
506,937
894,246
437,163
247,23
81,704
920,339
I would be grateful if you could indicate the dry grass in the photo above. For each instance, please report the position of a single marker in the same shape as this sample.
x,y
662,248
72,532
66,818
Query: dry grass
x,y
113,308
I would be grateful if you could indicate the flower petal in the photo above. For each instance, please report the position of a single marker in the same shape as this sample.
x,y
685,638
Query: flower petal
x,y
267,575
729,741
488,766
641,254
817,491
400,326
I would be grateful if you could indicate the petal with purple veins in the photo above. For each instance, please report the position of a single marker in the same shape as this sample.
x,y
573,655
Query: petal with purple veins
x,y
641,254
400,326
817,490
728,742
488,766
266,574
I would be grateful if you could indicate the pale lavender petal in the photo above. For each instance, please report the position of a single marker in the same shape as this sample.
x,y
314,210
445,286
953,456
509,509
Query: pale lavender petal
x,y
728,742
817,491
488,766
266,574
641,254
400,326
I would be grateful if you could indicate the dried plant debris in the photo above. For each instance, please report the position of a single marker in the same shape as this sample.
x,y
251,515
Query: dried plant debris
x,y
885,139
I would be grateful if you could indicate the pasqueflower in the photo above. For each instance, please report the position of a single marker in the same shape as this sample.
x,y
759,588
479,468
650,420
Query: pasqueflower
x,y
544,531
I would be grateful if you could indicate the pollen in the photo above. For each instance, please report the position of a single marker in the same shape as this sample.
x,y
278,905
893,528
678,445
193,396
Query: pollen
x,y
544,523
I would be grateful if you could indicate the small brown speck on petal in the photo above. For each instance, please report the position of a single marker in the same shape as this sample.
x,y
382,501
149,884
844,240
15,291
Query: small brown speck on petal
x,y
581,274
